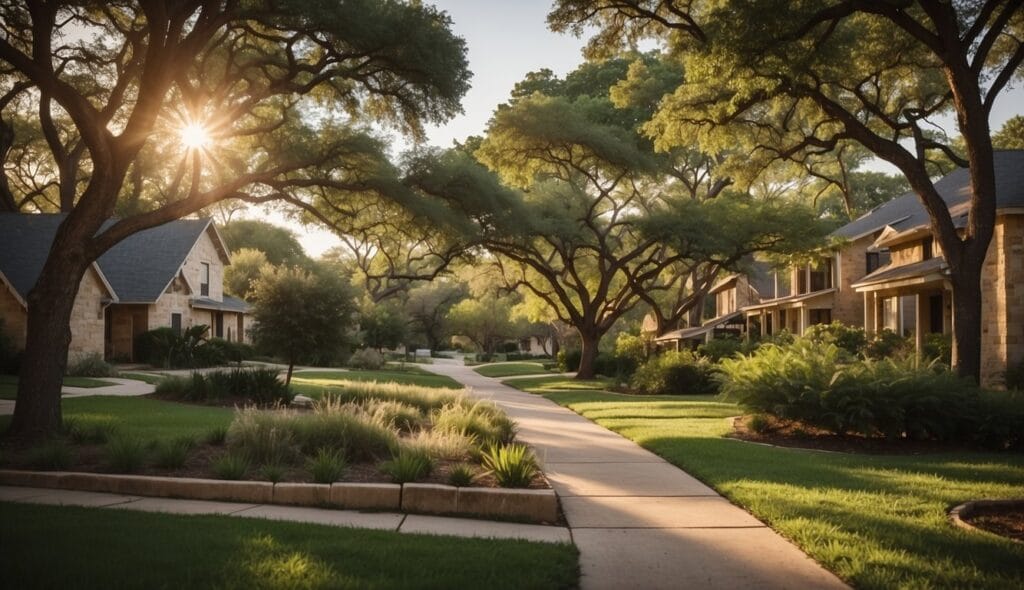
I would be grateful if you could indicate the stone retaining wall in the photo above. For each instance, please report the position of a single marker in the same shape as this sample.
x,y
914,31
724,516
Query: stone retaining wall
x,y
506,504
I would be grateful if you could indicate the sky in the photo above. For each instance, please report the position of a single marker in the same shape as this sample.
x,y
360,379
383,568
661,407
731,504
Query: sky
x,y
506,39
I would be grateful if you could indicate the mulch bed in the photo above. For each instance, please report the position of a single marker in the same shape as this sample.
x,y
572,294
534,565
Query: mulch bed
x,y
1003,521
800,436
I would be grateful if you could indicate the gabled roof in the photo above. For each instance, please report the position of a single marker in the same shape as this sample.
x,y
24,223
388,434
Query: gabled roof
x,y
138,269
906,211
892,273
25,242
142,265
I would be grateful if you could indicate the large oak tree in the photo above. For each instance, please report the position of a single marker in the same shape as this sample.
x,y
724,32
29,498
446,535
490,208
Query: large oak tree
x,y
784,79
159,109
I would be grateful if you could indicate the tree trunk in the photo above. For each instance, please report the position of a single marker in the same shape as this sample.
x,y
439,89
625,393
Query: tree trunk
x,y
288,377
37,412
588,355
967,310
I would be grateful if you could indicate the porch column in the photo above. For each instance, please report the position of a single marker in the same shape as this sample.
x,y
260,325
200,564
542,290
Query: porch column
x,y
922,317
874,306
869,313
764,323
804,319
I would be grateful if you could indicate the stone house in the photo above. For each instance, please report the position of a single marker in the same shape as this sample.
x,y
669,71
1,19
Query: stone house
x,y
912,295
167,276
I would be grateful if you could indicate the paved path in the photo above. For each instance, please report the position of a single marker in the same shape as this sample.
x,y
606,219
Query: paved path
x,y
122,387
639,521
412,523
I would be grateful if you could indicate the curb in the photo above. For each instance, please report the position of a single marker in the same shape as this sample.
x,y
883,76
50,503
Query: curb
x,y
960,513
525,505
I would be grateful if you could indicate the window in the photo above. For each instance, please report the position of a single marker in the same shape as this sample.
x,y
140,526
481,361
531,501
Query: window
x,y
176,323
204,280
821,275
891,314
873,262
926,248
820,316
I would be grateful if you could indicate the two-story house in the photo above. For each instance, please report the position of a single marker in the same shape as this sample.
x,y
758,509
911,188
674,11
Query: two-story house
x,y
917,271
167,276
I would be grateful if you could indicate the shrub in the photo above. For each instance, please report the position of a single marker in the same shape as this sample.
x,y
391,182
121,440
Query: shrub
x,y
91,365
366,359
759,424
852,340
676,373
9,356
888,344
725,347
568,360
631,347
231,466
259,386
173,454
52,454
938,347
174,387
1014,377
461,475
514,466
126,453
163,347
810,383
1000,423
327,466
408,466
482,420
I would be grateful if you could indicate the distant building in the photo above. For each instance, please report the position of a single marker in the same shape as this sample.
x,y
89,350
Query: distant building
x,y
167,276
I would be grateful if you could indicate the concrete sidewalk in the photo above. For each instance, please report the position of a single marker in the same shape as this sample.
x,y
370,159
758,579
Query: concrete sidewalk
x,y
639,521
389,521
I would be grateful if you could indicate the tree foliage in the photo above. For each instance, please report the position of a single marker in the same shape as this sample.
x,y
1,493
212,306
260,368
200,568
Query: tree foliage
x,y
278,244
302,316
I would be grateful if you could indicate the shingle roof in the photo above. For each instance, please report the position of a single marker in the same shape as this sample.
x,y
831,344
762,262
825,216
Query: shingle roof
x,y
229,304
906,271
906,211
138,268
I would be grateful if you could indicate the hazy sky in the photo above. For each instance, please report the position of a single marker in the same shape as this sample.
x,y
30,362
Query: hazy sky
x,y
506,39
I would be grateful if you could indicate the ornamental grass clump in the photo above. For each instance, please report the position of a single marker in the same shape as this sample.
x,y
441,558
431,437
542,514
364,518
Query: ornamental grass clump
x,y
425,398
264,437
232,466
481,419
348,427
513,466
408,466
461,475
126,454
399,415
327,466
52,454
444,446
172,454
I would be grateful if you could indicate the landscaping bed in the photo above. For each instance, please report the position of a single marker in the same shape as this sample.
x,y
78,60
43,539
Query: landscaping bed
x,y
1005,522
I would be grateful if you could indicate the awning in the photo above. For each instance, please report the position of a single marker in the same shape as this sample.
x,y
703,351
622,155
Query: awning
x,y
699,331
918,272
790,300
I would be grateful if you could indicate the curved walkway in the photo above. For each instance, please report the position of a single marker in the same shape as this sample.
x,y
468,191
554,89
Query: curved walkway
x,y
122,387
639,521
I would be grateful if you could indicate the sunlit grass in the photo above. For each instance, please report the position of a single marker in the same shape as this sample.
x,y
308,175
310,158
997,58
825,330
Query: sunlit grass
x,y
63,547
511,369
558,383
310,381
877,521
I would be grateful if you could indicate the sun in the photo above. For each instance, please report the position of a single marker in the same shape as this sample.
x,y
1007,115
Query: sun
x,y
195,136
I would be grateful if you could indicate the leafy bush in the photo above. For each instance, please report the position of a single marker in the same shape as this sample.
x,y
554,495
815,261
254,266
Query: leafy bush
x,y
231,466
408,466
938,347
52,454
461,475
327,466
366,359
514,466
717,349
1014,377
852,340
676,373
91,365
631,347
815,384
165,348
172,454
608,365
888,344
218,351
126,453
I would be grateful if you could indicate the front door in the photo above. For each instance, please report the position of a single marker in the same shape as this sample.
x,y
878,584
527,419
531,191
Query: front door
x,y
218,325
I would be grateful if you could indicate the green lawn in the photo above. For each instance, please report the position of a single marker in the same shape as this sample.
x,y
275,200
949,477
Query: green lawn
x,y
144,377
314,382
9,384
64,547
877,521
511,369
146,418
558,383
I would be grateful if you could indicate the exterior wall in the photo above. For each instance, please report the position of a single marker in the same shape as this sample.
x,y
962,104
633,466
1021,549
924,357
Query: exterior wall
x,y
205,251
1002,295
851,266
14,317
126,322
87,318
174,300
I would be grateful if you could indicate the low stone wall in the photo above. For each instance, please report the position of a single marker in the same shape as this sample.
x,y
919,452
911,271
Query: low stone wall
x,y
505,504
959,515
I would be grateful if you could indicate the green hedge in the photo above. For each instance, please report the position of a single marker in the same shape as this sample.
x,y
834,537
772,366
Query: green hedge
x,y
678,373
258,386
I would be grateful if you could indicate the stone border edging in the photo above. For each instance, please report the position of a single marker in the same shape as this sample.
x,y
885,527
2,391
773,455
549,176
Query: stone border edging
x,y
523,505
960,513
